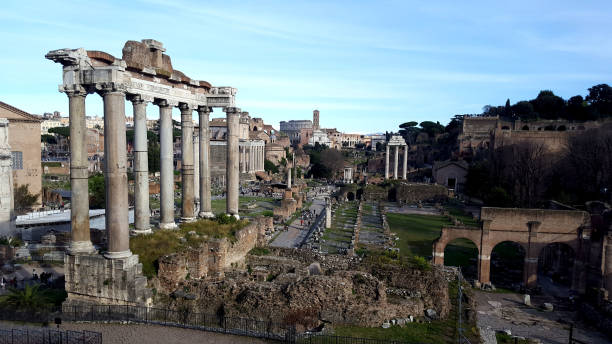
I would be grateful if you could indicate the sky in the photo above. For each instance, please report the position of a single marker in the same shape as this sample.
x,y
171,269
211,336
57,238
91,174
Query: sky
x,y
366,66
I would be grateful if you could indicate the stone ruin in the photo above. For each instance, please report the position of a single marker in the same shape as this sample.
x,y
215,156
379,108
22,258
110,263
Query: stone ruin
x,y
292,283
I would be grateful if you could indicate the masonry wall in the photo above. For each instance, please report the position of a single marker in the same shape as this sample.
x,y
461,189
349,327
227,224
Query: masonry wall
x,y
551,221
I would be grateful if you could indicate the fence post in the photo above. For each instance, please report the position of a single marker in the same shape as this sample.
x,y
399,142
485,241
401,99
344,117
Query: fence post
x,y
571,334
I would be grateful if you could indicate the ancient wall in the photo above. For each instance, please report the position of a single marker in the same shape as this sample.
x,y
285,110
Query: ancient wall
x,y
551,221
416,192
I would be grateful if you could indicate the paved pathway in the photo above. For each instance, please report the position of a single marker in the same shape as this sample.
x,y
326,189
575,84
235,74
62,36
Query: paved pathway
x,y
497,311
296,233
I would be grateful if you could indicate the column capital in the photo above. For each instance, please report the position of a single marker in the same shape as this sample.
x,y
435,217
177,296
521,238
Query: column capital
x,y
232,110
103,88
139,99
165,103
74,90
205,109
186,108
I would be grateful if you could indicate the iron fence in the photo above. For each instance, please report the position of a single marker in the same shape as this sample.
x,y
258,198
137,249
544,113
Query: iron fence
x,y
330,339
48,336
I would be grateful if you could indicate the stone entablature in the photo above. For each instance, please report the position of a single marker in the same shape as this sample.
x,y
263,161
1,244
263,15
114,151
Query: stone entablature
x,y
212,258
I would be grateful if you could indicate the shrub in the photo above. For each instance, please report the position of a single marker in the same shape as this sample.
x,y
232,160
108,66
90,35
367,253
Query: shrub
x,y
225,219
259,251
268,213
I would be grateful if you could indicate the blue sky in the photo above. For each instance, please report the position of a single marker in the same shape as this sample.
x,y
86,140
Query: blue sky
x,y
367,66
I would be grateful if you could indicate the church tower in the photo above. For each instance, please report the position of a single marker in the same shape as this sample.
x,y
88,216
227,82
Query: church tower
x,y
315,120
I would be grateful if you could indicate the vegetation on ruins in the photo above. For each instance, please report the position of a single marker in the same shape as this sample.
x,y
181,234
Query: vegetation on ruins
x,y
151,247
11,241
62,131
23,199
153,148
270,167
97,193
31,298
326,162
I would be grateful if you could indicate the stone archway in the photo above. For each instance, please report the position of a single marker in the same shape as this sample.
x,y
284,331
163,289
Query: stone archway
x,y
556,264
463,253
507,260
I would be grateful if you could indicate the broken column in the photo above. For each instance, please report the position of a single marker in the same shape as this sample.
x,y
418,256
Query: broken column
x,y
79,165
187,204
141,168
166,194
205,202
328,214
387,162
232,167
7,207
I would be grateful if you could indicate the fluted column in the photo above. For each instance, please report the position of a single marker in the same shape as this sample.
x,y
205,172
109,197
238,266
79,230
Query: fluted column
x,y
404,173
79,213
187,204
396,160
141,168
115,174
387,163
232,171
166,195
205,203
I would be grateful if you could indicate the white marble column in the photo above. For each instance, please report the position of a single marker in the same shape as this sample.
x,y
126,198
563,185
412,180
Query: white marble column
x,y
404,173
141,168
396,160
166,196
387,163
115,175
187,198
205,202
79,214
232,168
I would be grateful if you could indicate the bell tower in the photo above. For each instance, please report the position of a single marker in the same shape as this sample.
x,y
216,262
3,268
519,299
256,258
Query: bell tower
x,y
315,120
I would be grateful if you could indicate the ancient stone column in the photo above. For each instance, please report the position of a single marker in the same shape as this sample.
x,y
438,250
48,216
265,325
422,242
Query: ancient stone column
x,y
328,214
166,195
115,174
79,213
187,213
7,204
196,169
288,177
205,203
232,168
396,161
141,168
404,173
387,163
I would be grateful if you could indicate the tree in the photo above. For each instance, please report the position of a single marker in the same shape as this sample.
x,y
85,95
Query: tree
x,y
600,97
63,131
508,109
23,199
408,124
49,139
333,160
577,109
31,298
548,105
153,154
97,194
431,128
270,167
524,110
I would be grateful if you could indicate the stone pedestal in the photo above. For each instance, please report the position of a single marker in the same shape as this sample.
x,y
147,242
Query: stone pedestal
x,y
94,279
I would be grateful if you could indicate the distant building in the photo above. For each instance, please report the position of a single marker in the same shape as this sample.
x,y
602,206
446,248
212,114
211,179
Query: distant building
x,y
451,174
24,140
47,124
293,129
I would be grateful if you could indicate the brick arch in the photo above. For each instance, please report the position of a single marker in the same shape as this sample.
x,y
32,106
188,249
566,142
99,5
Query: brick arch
x,y
533,229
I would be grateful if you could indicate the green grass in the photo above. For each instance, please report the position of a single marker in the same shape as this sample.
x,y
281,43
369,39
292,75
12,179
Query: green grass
x,y
436,332
462,216
151,247
219,205
416,235
503,338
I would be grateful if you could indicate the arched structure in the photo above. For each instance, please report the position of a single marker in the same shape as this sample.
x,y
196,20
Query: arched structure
x,y
531,228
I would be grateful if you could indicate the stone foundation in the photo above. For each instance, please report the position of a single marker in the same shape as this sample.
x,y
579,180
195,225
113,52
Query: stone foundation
x,y
94,279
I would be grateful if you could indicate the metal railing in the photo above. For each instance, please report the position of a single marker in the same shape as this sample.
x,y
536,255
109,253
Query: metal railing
x,y
48,336
330,339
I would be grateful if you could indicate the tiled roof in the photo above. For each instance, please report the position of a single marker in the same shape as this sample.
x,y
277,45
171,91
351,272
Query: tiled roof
x,y
19,112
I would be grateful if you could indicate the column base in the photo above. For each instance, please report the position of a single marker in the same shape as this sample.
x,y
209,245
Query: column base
x,y
118,255
169,225
188,219
234,215
141,231
206,215
81,247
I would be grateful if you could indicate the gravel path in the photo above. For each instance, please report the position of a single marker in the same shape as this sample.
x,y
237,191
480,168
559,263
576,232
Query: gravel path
x,y
153,334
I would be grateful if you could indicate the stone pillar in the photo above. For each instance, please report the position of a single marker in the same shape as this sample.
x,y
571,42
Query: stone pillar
x,y
530,267
142,212
166,195
187,203
405,170
387,163
205,204
196,169
288,177
115,175
396,161
608,264
232,171
79,213
328,214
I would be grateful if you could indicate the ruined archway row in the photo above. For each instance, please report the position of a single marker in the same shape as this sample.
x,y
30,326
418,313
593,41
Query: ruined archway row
x,y
533,229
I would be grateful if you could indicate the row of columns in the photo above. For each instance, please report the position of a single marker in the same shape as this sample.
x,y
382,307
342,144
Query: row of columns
x,y
115,168
251,158
396,162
